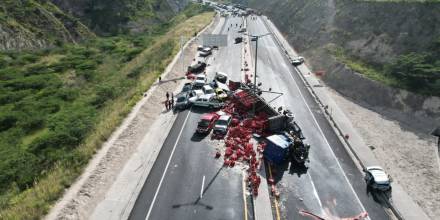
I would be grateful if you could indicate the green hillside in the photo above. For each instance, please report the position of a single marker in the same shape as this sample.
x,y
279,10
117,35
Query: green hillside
x,y
59,104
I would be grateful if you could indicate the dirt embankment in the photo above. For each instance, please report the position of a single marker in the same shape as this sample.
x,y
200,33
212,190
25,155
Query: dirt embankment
x,y
375,32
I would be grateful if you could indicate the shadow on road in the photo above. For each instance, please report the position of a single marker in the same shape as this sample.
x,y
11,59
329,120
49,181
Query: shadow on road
x,y
197,202
289,167
196,137
169,80
382,198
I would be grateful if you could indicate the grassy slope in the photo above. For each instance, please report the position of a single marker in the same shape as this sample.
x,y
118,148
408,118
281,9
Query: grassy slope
x,y
58,106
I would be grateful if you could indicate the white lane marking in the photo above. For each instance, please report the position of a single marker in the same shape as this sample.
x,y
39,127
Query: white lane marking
x,y
166,167
328,144
203,186
325,139
314,191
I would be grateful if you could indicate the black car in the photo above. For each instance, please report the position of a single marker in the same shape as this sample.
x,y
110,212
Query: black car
x,y
238,40
182,101
186,88
197,68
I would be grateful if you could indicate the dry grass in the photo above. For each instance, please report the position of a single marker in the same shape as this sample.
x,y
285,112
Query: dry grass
x,y
37,200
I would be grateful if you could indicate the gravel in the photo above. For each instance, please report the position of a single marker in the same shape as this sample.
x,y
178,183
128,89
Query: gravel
x,y
410,157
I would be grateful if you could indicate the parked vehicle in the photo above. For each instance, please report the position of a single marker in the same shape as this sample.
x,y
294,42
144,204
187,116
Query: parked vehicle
x,y
221,77
205,52
206,101
186,88
238,40
197,68
182,101
199,82
376,178
206,123
222,125
195,94
201,78
221,94
298,61
209,91
198,85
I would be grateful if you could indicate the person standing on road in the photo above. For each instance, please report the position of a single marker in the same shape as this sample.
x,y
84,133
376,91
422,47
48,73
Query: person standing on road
x,y
172,100
168,96
166,104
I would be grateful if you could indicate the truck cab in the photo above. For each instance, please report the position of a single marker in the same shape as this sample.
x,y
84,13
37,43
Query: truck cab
x,y
206,123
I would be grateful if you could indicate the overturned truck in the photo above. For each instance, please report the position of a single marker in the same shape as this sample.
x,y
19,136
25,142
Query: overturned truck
x,y
283,137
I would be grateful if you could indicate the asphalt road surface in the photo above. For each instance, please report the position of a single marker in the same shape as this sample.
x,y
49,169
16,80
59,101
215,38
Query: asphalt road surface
x,y
186,182
332,185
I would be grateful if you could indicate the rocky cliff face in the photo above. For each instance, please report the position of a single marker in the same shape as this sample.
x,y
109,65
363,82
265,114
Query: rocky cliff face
x,y
34,24
375,32
28,24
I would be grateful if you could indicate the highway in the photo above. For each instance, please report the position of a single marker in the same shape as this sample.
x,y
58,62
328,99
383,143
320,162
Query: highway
x,y
186,181
332,186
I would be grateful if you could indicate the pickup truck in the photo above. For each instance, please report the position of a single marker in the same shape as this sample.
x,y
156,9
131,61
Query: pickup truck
x,y
207,101
206,123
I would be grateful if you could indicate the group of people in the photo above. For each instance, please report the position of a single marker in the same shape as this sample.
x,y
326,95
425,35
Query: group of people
x,y
169,103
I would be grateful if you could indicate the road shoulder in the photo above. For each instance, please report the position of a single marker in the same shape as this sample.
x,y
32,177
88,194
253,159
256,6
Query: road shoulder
x,y
402,204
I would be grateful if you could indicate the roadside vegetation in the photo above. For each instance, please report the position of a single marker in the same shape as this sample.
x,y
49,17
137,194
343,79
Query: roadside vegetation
x,y
416,72
58,105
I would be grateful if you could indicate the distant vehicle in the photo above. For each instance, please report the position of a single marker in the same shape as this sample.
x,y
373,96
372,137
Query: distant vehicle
x,y
207,101
205,54
221,94
221,77
206,123
222,125
206,51
242,30
298,61
238,40
197,68
182,101
209,91
253,39
376,178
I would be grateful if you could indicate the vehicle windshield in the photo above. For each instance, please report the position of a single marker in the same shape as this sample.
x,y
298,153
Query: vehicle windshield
x,y
200,78
186,89
209,91
204,123
221,122
181,99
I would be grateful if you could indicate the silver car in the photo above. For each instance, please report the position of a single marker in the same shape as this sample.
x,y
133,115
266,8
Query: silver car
x,y
376,178
222,125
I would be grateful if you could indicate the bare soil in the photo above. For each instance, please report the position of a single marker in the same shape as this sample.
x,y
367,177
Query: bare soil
x,y
410,158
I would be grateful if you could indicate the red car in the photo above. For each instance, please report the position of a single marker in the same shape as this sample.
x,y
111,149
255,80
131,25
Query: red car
x,y
206,123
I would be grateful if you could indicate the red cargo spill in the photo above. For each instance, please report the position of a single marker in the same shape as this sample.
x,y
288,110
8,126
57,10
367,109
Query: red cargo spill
x,y
238,139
